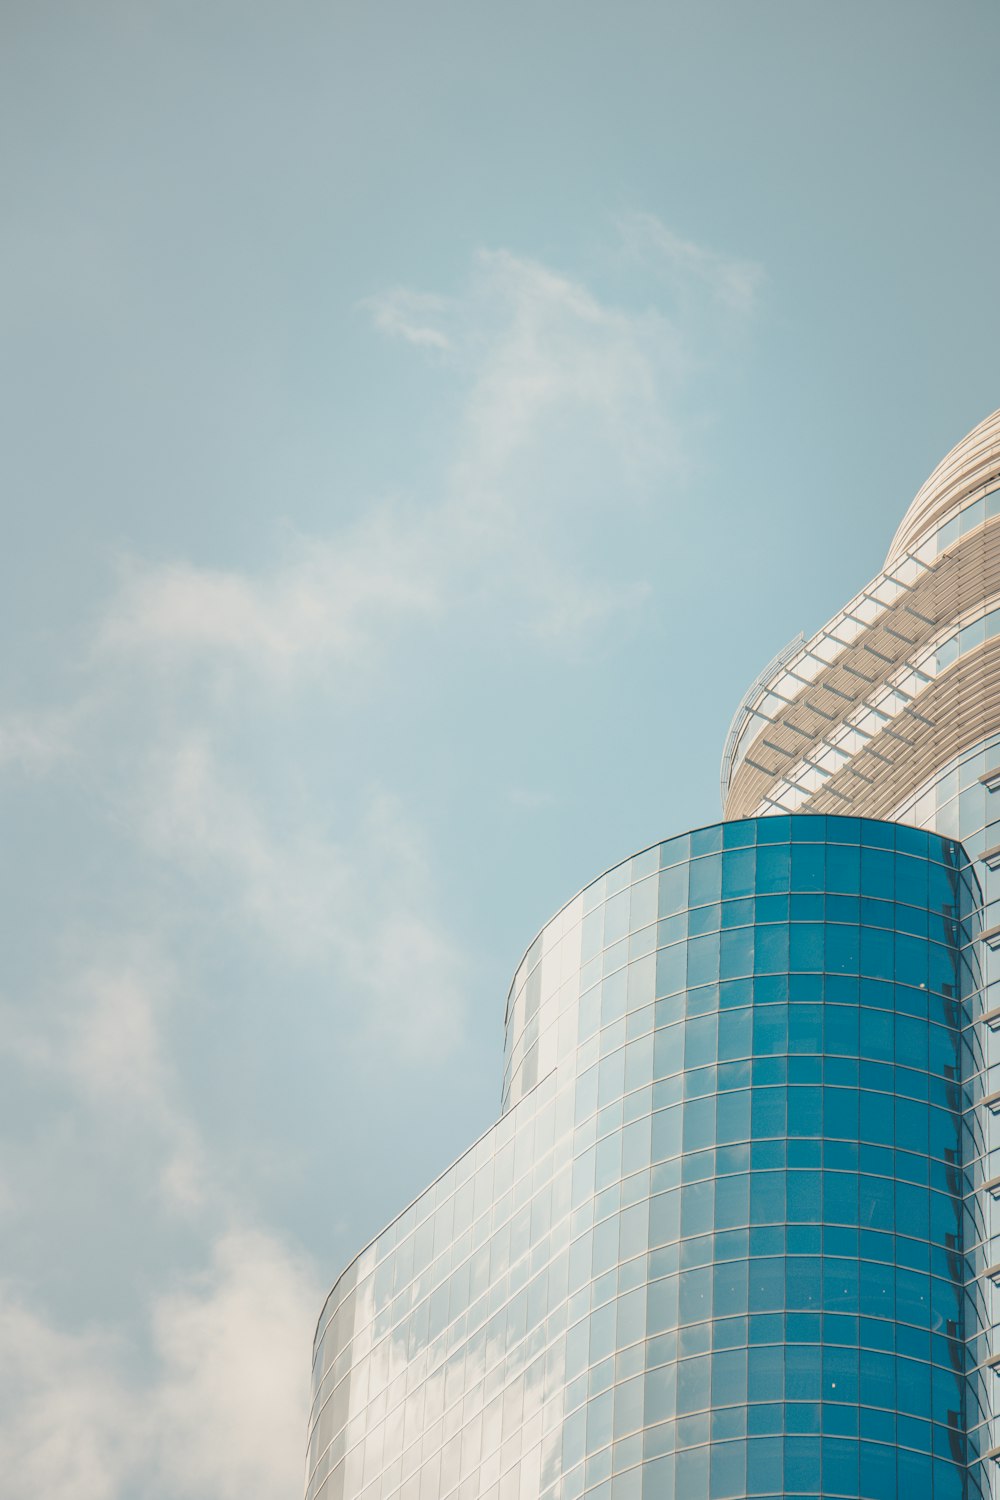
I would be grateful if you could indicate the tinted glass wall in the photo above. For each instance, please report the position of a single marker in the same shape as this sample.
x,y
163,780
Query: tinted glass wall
x,y
714,1246
962,800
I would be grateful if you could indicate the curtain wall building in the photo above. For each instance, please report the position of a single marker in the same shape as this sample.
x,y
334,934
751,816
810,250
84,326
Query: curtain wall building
x,y
731,1235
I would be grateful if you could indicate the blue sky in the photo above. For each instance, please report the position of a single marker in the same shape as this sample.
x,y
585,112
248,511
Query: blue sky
x,y
420,425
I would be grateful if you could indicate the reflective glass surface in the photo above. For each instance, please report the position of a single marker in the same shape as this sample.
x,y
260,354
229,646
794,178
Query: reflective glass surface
x,y
963,799
715,1245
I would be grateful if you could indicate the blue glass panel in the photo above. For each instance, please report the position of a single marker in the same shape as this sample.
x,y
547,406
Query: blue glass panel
x,y
802,1465
770,1029
811,828
805,1028
671,969
804,1282
878,1472
703,959
840,1284
840,1467
733,1116
768,1112
843,868
738,873
704,919
773,867
770,948
739,833
764,1466
692,1473
876,1123
729,1470
737,952
705,841
806,948
911,961
704,881
878,873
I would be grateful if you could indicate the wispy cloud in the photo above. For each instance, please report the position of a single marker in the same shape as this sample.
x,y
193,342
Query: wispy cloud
x,y
326,600
100,1038
416,317
732,282
34,743
365,906
219,1410
65,1416
207,1396
234,1349
555,361
571,413
115,1051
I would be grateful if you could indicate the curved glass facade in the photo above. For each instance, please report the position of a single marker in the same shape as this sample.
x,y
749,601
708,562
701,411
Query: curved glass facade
x,y
715,1246
961,799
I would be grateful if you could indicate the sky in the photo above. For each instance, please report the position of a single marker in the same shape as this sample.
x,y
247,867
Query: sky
x,y
420,423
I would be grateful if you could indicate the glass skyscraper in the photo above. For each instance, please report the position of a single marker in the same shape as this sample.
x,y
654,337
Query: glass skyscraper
x,y
731,1236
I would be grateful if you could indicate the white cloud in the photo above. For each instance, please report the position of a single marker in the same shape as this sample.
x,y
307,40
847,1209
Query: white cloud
x,y
734,283
206,1395
67,1423
365,907
234,1347
413,316
555,361
325,601
33,743
115,1050
219,1411
113,1044
100,1038
571,412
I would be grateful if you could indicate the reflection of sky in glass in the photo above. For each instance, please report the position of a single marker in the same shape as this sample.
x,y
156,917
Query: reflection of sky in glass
x,y
959,801
712,1247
